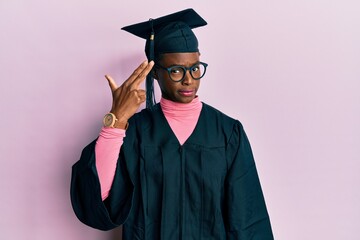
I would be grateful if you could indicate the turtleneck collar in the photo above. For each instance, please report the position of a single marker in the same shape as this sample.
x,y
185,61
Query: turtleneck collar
x,y
175,109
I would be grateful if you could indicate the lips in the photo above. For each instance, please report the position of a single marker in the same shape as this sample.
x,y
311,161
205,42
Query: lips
x,y
186,93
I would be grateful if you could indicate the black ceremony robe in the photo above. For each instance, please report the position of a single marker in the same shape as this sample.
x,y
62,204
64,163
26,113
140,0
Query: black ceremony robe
x,y
207,188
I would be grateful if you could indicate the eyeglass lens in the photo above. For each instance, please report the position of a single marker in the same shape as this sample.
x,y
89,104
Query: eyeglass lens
x,y
177,73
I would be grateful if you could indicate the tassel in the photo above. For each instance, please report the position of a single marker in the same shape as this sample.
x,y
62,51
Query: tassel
x,y
150,94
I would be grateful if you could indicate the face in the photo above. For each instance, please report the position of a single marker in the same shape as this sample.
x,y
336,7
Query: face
x,y
183,91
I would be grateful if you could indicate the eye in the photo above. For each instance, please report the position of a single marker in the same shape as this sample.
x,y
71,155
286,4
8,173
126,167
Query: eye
x,y
176,71
195,68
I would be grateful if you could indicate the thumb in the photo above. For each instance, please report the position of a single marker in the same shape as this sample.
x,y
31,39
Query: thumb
x,y
112,83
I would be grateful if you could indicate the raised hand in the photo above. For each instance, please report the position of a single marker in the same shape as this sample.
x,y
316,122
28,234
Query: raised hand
x,y
128,97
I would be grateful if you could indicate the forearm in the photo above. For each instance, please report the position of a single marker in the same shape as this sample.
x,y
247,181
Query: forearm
x,y
107,150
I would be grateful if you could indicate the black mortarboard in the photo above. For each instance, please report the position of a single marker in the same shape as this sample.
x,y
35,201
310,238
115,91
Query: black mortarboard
x,y
168,34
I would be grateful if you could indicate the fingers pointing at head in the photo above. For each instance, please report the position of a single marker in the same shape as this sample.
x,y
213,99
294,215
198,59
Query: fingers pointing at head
x,y
143,74
128,97
136,78
140,74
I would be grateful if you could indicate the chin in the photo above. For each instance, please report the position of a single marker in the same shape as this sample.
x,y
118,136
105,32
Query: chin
x,y
185,100
180,99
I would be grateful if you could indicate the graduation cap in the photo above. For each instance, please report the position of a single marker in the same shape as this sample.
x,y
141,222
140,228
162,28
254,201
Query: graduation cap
x,y
168,34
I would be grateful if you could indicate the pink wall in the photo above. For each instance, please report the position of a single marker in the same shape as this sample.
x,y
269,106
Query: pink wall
x,y
289,70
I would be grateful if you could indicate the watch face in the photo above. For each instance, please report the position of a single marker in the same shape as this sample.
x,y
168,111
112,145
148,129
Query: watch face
x,y
108,120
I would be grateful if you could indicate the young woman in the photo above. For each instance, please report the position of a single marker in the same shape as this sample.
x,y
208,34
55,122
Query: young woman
x,y
179,169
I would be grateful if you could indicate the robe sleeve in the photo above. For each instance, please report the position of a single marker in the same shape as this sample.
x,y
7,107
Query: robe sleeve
x,y
246,213
86,192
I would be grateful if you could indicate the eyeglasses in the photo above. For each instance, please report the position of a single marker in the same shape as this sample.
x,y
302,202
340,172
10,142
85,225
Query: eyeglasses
x,y
177,73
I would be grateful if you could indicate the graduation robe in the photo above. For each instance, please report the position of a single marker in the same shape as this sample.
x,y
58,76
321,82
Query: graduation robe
x,y
207,188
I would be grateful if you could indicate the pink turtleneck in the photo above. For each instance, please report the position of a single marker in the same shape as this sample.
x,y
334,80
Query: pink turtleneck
x,y
182,118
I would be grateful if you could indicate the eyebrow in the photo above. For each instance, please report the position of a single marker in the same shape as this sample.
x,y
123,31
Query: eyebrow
x,y
179,65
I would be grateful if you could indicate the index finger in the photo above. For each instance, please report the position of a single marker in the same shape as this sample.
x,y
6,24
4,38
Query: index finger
x,y
136,72
141,77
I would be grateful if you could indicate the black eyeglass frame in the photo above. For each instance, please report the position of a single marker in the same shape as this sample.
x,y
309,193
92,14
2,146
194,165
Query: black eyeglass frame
x,y
185,69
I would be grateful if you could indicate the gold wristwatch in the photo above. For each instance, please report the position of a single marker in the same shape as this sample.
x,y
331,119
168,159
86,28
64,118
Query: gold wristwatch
x,y
109,120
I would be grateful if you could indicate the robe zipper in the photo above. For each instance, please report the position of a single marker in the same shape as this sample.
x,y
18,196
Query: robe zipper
x,y
182,195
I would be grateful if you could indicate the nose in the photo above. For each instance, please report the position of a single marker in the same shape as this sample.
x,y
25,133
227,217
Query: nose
x,y
187,79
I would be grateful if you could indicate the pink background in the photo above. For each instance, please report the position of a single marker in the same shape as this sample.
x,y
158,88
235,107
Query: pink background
x,y
288,70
